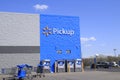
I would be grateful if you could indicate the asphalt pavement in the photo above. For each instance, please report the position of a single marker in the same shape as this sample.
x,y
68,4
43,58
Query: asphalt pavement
x,y
89,75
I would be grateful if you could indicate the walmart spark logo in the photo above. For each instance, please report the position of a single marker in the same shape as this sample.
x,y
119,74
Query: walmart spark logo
x,y
47,31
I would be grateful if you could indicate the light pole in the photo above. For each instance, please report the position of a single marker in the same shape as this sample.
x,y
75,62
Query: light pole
x,y
96,55
95,60
114,52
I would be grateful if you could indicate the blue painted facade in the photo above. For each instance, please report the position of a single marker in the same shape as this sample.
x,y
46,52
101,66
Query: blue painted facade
x,y
59,38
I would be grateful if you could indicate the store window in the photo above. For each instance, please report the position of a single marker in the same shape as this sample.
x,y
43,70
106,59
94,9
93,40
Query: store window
x,y
59,51
68,51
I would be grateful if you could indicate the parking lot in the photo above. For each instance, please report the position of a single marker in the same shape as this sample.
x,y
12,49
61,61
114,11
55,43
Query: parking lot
x,y
89,75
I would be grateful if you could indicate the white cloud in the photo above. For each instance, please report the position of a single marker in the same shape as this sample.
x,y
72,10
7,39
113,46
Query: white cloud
x,y
105,54
40,7
103,45
85,39
87,45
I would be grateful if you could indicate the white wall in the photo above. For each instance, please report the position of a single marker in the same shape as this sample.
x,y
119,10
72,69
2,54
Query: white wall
x,y
17,29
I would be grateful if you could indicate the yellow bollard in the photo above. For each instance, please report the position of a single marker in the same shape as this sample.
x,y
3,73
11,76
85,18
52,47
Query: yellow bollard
x,y
95,67
68,67
55,67
82,67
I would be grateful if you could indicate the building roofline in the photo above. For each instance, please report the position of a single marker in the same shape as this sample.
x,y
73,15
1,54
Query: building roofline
x,y
19,13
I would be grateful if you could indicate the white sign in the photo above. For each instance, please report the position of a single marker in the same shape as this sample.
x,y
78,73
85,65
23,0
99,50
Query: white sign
x,y
47,31
63,31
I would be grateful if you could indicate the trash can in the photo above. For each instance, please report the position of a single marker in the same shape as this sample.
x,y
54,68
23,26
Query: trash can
x,y
45,68
70,65
60,66
39,71
78,65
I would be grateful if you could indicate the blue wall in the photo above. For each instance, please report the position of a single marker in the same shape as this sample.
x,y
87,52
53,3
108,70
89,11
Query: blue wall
x,y
59,33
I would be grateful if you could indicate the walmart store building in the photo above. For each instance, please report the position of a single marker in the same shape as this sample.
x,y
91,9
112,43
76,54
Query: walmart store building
x,y
29,38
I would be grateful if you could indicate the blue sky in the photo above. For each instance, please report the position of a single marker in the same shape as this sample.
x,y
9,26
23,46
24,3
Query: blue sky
x,y
99,20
